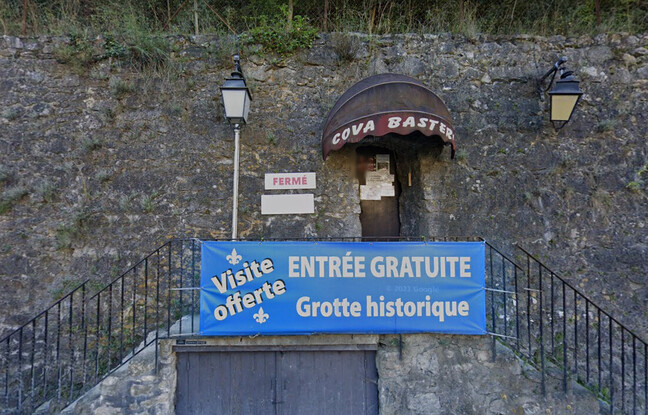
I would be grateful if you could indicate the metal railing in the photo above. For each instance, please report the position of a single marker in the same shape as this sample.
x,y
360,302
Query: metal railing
x,y
556,328
70,347
83,337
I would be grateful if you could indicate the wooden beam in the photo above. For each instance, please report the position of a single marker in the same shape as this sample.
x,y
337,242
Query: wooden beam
x,y
24,17
597,10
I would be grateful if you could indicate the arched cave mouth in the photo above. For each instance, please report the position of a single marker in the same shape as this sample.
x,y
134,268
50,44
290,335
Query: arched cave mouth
x,y
399,210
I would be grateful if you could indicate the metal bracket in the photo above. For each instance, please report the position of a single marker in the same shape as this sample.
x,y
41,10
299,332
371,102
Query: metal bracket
x,y
552,71
501,335
500,291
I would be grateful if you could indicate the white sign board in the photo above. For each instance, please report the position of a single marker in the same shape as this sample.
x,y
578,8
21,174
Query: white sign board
x,y
280,181
287,204
379,183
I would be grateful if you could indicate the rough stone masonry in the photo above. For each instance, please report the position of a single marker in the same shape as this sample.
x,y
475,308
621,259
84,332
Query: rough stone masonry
x,y
98,167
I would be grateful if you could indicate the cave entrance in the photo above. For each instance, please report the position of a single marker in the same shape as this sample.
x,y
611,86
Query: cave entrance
x,y
380,190
391,186
397,123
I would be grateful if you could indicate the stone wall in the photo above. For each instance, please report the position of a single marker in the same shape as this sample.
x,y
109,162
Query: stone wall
x,y
441,374
99,165
135,387
426,375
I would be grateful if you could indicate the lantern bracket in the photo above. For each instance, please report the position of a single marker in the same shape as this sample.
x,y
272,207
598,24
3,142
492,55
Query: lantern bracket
x,y
554,69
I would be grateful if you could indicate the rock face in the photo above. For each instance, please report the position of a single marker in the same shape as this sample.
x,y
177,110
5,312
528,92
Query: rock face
x,y
98,167
456,375
136,387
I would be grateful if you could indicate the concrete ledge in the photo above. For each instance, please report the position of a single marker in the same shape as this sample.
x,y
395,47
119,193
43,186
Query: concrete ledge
x,y
277,343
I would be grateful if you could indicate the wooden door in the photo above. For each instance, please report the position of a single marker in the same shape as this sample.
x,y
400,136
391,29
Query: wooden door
x,y
376,173
277,382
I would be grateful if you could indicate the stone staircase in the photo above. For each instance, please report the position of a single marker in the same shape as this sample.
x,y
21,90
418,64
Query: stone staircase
x,y
550,348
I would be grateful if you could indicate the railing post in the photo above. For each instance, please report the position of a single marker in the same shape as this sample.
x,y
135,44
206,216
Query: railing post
x,y
193,282
622,370
169,292
58,351
134,306
599,357
97,334
71,346
645,378
634,375
504,296
492,295
517,312
84,324
157,309
564,336
540,317
528,304
587,348
576,333
553,313
182,248
45,353
110,300
6,364
611,369
121,316
146,271
33,352
20,376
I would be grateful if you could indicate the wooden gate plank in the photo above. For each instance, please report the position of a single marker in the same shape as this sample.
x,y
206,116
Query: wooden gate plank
x,y
225,383
275,382
332,381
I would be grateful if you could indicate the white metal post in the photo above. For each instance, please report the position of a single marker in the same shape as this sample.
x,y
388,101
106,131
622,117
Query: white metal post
x,y
237,131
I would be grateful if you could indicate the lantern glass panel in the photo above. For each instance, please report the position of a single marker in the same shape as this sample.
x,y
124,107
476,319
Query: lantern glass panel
x,y
236,103
562,106
246,108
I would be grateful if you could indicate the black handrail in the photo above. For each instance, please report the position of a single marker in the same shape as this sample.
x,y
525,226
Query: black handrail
x,y
552,324
83,337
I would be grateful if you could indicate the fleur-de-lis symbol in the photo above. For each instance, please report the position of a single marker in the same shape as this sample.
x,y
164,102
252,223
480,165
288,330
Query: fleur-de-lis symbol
x,y
261,316
234,258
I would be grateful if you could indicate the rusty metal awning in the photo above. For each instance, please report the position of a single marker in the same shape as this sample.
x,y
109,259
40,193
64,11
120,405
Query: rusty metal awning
x,y
384,104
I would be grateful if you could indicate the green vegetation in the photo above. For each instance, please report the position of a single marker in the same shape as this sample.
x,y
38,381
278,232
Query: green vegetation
x,y
281,34
132,22
73,229
147,202
640,182
132,33
91,143
119,31
5,174
605,125
10,113
10,196
120,87
345,46
46,190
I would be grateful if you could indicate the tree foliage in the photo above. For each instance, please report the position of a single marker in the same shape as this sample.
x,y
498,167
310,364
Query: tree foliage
x,y
544,17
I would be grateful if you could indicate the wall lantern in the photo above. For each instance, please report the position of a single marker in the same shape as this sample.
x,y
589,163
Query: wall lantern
x,y
564,96
236,101
236,96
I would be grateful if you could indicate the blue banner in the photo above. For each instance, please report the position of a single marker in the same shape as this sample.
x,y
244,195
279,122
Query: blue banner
x,y
250,288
